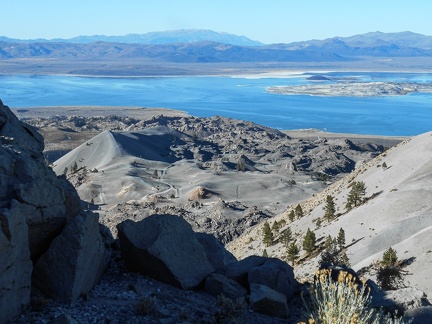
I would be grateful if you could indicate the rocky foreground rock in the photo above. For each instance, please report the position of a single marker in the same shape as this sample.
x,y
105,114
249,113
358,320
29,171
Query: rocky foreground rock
x,y
37,209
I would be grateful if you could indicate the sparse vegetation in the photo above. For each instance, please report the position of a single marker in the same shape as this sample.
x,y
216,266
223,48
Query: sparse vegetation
x,y
291,216
292,252
229,309
341,238
342,302
267,235
309,241
390,275
286,237
334,254
355,196
330,209
145,307
299,212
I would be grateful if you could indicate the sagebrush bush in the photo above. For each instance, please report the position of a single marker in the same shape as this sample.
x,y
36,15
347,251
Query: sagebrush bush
x,y
229,309
343,302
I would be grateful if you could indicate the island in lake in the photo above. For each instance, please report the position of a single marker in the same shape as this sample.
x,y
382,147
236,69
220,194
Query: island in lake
x,y
354,89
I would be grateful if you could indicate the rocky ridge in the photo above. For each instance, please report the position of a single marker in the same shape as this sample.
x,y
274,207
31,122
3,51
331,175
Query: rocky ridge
x,y
211,151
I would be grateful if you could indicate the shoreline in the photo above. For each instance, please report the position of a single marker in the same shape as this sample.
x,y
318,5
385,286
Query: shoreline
x,y
245,73
147,112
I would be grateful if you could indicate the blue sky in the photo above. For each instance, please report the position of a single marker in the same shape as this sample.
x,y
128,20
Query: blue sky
x,y
270,21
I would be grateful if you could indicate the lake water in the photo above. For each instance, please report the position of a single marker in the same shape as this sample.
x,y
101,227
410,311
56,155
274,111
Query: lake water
x,y
239,97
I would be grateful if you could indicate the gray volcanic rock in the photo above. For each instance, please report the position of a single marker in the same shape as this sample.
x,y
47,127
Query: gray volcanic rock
x,y
164,247
24,177
34,208
268,301
15,263
74,262
400,300
217,284
216,252
275,274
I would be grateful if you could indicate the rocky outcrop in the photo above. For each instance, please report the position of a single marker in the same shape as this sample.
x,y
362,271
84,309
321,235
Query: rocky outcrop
x,y
34,208
400,300
217,284
270,272
265,300
74,262
216,252
15,263
164,247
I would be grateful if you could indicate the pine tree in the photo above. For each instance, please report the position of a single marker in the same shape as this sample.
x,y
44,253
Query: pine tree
x,y
341,238
74,167
267,235
332,254
389,257
291,216
286,237
299,212
355,196
265,254
275,227
292,252
65,170
309,241
328,243
330,209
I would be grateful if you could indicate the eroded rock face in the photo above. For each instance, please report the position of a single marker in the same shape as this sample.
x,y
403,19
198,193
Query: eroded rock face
x,y
15,263
74,262
34,208
268,301
164,247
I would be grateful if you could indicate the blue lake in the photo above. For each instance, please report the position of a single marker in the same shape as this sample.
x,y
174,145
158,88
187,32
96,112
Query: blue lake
x,y
241,98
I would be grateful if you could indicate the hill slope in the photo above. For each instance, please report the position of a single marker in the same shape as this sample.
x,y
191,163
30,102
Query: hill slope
x,y
398,214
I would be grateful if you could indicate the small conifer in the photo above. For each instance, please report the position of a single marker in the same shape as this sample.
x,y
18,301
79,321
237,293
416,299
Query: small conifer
x,y
267,235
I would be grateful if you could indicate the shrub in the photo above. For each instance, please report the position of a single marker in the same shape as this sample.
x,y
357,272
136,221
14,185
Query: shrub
x,y
342,302
229,309
145,307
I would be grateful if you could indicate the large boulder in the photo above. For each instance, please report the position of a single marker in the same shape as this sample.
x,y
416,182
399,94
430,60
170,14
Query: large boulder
x,y
239,271
34,208
164,247
217,284
265,300
216,252
400,300
275,274
15,263
25,177
269,272
74,262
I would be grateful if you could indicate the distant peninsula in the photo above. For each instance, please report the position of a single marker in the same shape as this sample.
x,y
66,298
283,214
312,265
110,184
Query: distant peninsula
x,y
354,89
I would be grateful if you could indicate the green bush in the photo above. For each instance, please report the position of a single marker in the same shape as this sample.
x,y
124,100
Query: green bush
x,y
342,302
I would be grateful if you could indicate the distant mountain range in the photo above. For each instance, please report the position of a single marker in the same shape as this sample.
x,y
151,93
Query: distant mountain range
x,y
164,37
206,46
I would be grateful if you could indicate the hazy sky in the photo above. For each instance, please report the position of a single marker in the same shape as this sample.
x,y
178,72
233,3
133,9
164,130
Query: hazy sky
x,y
270,21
